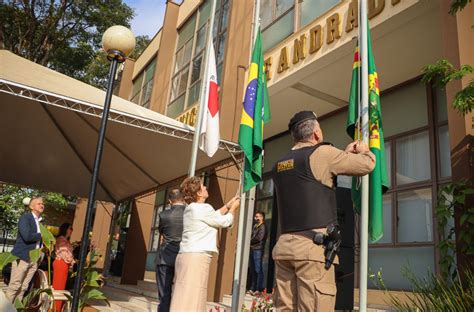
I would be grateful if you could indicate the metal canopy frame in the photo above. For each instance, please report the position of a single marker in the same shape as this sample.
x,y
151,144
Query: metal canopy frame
x,y
95,110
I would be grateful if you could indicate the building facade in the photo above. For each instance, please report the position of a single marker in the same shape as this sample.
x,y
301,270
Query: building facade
x,y
309,47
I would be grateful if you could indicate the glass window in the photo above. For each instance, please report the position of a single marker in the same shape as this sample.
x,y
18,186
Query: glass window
x,y
265,188
225,15
194,93
176,107
220,49
413,158
441,106
147,93
219,76
201,39
266,206
155,240
188,61
187,31
415,219
392,262
196,73
204,12
444,152
266,12
412,99
387,220
179,60
312,9
143,85
388,160
281,6
278,31
188,48
215,27
150,70
137,86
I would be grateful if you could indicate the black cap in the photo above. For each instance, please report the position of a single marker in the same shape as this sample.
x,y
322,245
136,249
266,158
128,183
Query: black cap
x,y
300,117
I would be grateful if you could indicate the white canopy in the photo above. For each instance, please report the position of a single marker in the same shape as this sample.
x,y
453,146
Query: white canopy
x,y
49,124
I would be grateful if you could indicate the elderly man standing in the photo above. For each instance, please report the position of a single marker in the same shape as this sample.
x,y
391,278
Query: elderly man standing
x,y
171,231
28,238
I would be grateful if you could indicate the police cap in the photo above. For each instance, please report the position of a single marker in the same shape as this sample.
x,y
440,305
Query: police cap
x,y
300,117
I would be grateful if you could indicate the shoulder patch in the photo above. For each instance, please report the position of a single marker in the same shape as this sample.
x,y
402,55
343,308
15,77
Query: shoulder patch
x,y
285,165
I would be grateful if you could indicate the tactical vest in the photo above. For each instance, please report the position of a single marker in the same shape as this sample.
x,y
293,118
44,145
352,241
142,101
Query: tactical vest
x,y
303,202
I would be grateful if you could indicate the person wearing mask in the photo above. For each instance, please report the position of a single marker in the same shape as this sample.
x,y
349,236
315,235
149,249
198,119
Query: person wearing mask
x,y
199,242
28,239
171,230
257,246
63,261
306,199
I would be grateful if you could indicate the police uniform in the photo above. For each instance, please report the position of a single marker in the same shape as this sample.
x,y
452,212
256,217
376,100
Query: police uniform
x,y
306,201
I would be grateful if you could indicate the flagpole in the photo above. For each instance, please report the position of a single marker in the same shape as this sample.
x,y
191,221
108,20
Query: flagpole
x,y
202,99
364,224
245,214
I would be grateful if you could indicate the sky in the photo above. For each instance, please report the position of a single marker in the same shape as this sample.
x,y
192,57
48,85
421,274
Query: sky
x,y
148,16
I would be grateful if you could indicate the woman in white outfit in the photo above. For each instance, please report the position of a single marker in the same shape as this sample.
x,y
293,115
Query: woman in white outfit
x,y
199,242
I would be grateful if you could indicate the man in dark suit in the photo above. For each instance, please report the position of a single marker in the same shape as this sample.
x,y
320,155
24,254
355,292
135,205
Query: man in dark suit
x,y
28,238
171,231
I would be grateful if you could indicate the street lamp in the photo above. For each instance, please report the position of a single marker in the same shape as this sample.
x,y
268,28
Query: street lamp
x,y
117,42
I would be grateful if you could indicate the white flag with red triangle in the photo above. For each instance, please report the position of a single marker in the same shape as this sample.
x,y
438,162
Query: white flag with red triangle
x,y
210,124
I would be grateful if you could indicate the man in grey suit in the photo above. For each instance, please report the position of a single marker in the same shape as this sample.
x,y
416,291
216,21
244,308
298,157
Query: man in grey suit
x,y
171,231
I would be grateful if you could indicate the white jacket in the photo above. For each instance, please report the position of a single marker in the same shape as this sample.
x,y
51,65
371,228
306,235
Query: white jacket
x,y
200,224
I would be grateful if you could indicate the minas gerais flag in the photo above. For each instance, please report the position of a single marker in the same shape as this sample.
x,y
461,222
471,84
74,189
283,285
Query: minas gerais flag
x,y
378,179
255,114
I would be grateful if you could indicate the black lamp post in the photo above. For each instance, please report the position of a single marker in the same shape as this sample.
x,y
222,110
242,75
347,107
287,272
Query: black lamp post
x,y
118,42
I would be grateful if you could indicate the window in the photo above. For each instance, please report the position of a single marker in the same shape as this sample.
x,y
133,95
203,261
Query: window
x,y
155,233
409,231
442,133
190,52
277,21
413,158
143,85
264,203
312,9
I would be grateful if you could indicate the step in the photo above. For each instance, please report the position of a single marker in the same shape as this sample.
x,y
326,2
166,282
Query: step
x,y
214,307
116,306
227,300
148,285
136,289
126,299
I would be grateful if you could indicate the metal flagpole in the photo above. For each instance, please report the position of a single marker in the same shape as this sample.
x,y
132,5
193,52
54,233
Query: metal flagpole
x,y
364,224
245,214
202,99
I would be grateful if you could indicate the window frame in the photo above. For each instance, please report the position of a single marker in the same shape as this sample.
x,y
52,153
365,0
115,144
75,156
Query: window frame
x,y
142,75
276,19
194,56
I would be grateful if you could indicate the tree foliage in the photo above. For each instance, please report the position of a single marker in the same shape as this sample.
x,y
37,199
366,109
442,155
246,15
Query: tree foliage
x,y
457,5
443,72
64,35
11,204
97,70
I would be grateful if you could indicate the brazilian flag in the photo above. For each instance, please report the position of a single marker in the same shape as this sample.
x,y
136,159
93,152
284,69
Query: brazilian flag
x,y
255,114
378,179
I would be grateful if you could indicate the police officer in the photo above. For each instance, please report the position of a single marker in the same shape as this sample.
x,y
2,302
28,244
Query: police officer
x,y
306,196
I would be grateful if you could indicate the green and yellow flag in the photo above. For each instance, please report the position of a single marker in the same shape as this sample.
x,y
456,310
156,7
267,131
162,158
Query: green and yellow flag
x,y
378,179
255,114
